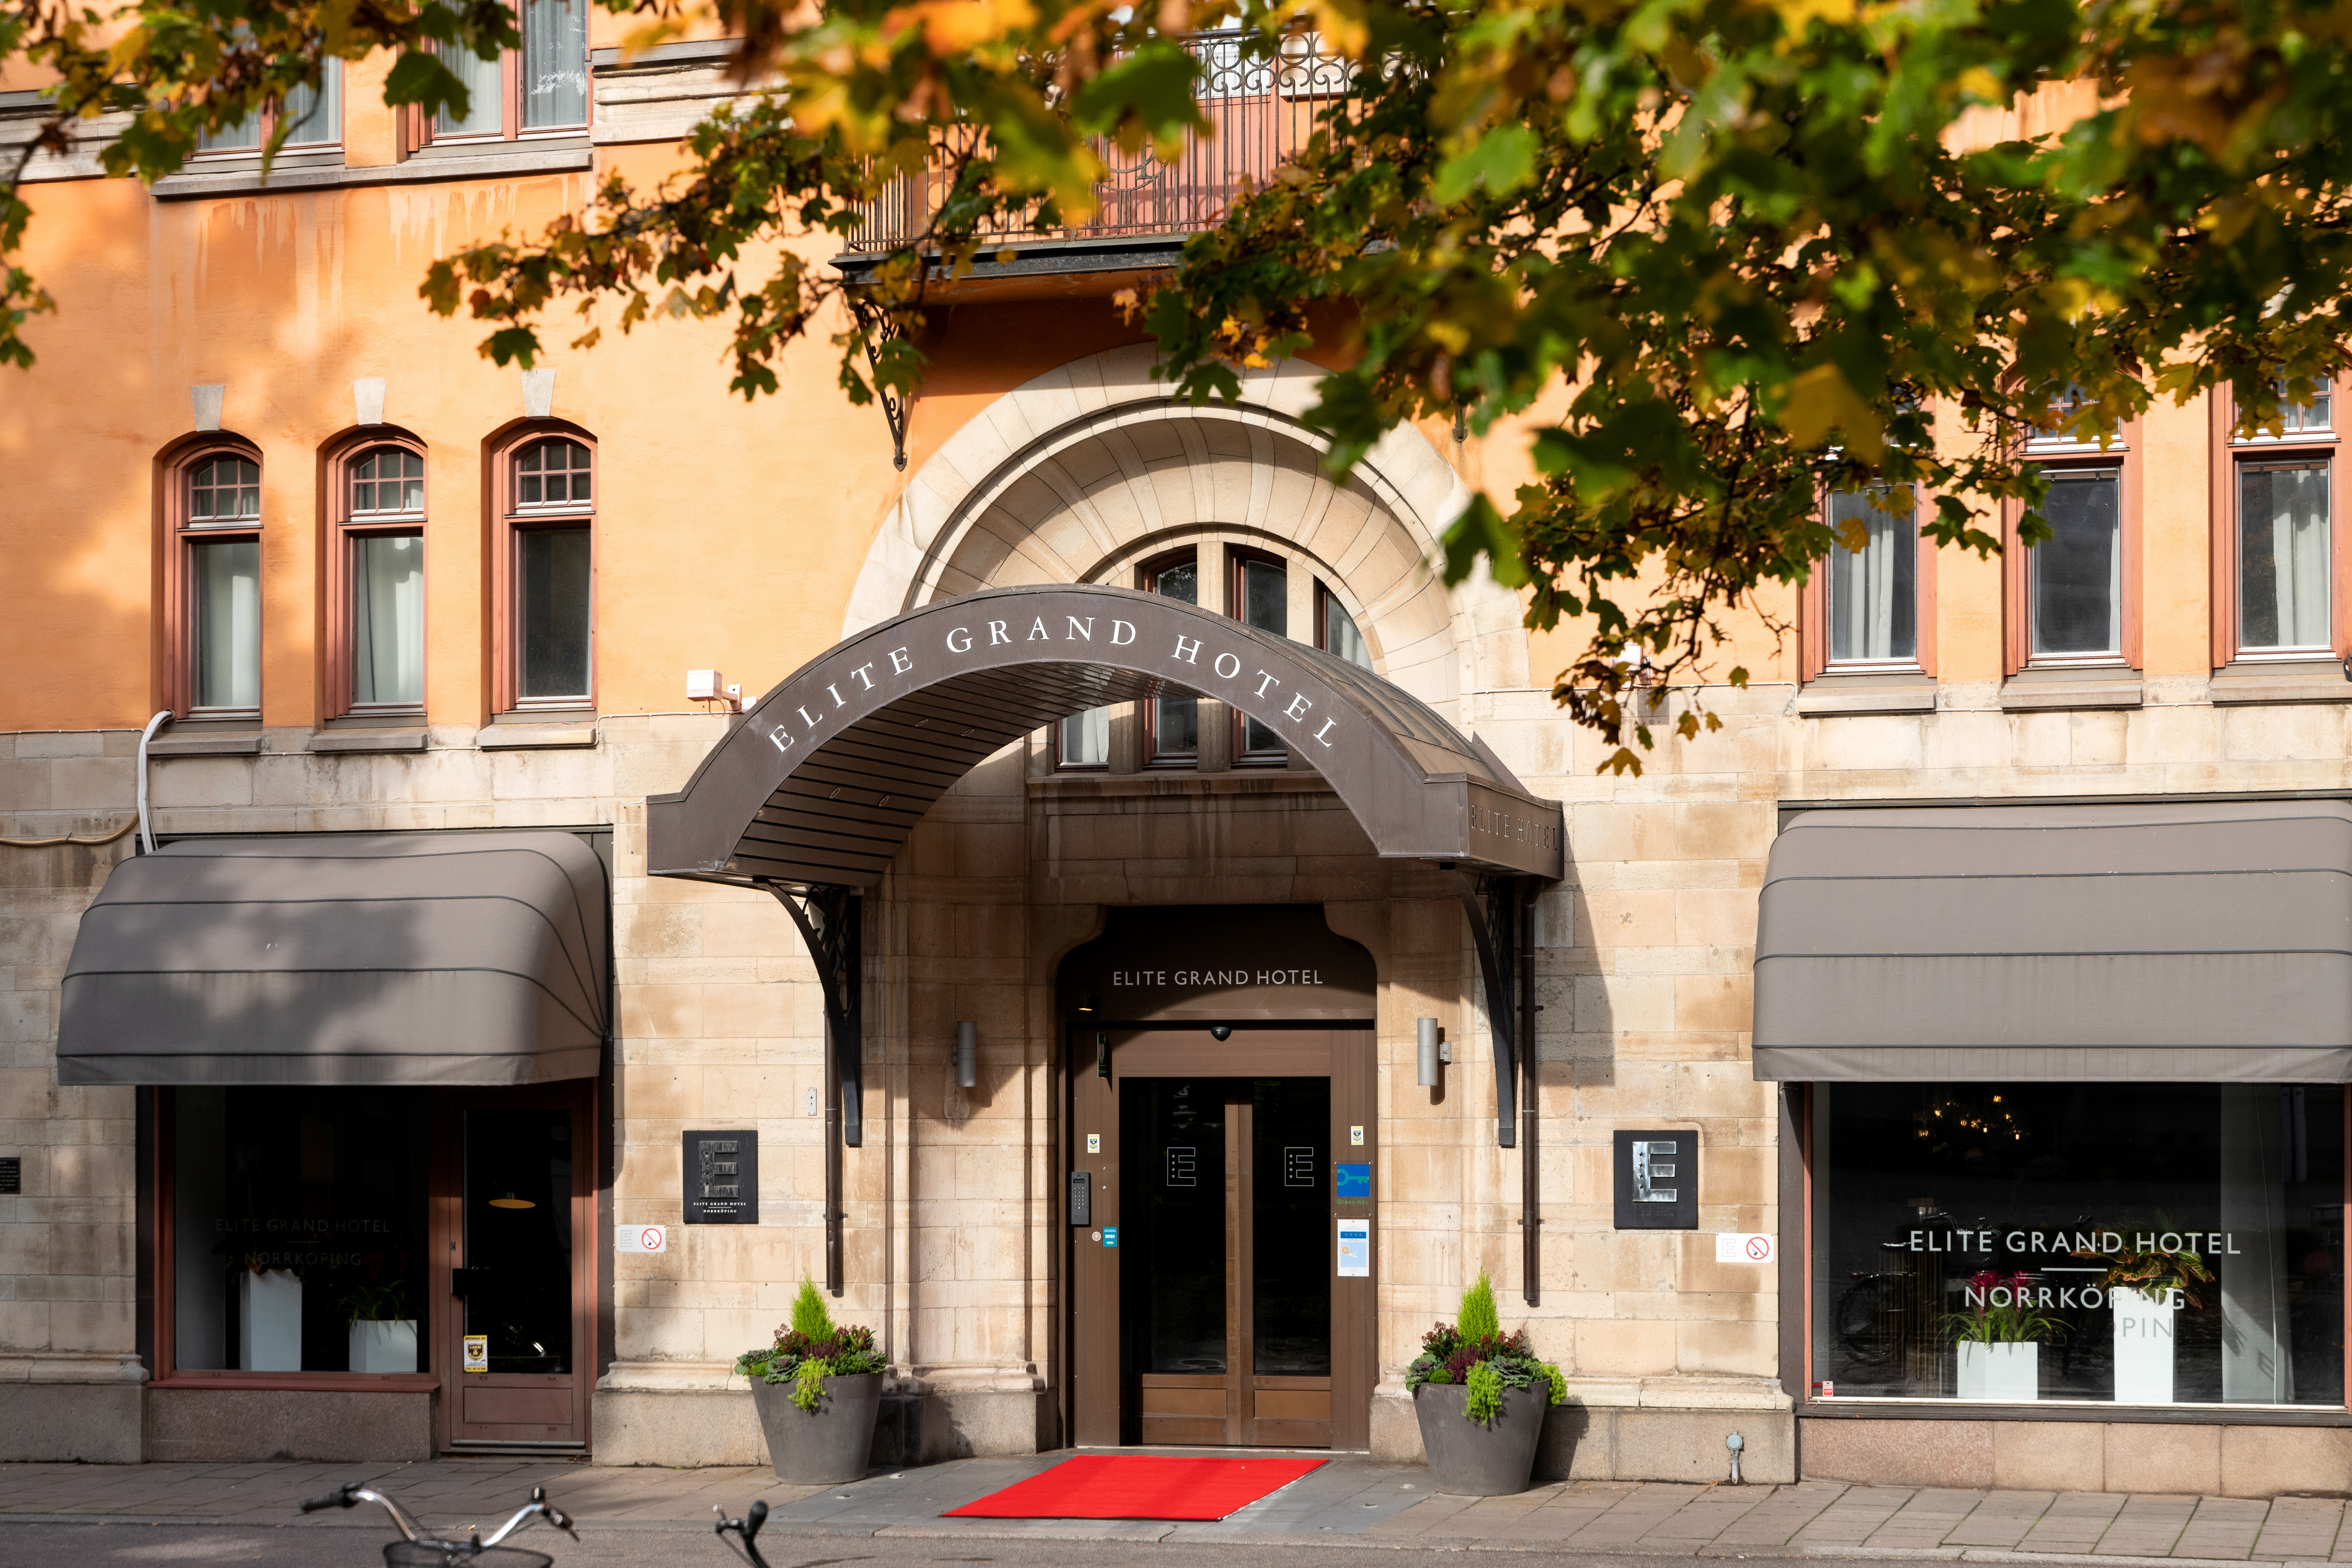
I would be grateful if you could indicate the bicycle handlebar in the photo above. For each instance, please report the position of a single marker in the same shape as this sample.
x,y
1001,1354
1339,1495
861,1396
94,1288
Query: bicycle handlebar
x,y
747,1530
353,1492
342,1497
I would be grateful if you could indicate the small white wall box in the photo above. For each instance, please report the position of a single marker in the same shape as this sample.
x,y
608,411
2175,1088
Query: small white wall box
x,y
269,1321
702,686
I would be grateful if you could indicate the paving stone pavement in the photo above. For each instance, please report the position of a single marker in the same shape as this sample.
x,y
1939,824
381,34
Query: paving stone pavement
x,y
1350,1497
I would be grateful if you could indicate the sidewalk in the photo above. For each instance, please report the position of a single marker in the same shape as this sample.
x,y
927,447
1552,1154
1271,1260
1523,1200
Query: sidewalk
x,y
1349,1498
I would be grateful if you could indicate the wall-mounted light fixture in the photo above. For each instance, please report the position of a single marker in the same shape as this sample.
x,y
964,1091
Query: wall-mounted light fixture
x,y
1086,1001
967,1054
1433,1053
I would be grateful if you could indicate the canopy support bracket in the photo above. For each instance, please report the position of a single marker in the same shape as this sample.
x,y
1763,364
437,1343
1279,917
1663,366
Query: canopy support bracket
x,y
832,922
877,327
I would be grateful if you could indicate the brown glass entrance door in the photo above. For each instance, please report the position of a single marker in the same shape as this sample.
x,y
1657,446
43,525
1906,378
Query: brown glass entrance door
x,y
514,1229
1207,1306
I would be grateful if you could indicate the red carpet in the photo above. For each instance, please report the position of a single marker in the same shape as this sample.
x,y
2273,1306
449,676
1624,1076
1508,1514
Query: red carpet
x,y
1138,1486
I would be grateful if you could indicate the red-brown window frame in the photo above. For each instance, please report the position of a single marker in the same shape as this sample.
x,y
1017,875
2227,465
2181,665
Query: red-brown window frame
x,y
338,528
2228,453
1238,560
509,521
416,125
178,583
1812,605
1324,599
1147,579
2017,606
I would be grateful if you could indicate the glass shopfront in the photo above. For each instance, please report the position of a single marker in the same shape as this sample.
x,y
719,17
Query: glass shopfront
x,y
299,1228
2132,1244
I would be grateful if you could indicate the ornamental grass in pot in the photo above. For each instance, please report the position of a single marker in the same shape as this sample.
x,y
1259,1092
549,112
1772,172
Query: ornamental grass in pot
x,y
1480,1396
818,1390
2146,1287
1999,1337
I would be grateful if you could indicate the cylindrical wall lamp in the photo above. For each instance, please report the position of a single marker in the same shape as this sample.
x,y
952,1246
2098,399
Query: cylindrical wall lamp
x,y
1434,1052
967,1054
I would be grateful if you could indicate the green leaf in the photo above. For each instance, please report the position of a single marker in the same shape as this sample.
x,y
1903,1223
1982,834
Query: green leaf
x,y
1500,162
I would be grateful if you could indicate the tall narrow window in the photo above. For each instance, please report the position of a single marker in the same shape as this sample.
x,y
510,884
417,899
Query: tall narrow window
x,y
384,556
217,578
1083,740
554,502
1334,629
2076,576
1261,598
1175,720
2284,579
1871,594
542,88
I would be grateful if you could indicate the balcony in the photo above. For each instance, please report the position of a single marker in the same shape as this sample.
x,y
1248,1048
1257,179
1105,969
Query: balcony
x,y
1260,113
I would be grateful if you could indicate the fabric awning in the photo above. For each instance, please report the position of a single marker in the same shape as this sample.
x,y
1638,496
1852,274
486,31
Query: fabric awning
x,y
2158,941
376,959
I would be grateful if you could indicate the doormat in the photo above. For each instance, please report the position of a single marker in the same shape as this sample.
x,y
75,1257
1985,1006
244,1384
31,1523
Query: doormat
x,y
1138,1486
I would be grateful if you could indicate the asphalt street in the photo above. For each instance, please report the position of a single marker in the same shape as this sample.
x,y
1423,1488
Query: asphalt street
x,y
611,1546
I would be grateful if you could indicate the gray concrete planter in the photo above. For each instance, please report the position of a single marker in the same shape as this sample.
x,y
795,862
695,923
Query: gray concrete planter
x,y
1473,1458
826,1446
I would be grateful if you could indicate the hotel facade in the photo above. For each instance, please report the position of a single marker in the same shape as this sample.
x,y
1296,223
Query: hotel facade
x,y
508,872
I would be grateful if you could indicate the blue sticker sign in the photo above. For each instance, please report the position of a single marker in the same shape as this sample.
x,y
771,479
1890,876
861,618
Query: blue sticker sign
x,y
1352,1181
1110,1235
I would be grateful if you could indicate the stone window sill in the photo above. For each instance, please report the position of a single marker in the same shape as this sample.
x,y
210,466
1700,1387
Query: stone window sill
x,y
370,740
511,159
1833,695
200,745
2058,690
2087,1410
535,737
2299,680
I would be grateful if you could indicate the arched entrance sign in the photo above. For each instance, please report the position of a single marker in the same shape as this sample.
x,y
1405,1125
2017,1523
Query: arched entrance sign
x,y
815,790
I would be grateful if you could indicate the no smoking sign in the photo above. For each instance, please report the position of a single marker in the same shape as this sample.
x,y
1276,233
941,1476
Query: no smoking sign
x,y
1739,1246
641,1239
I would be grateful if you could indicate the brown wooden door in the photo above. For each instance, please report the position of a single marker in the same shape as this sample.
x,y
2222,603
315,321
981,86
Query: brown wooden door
x,y
514,1243
1207,1306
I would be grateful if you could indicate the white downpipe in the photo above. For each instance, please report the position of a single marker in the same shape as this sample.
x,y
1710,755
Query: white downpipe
x,y
147,833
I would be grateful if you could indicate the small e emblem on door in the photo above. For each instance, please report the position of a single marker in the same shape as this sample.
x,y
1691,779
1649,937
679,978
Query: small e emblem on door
x,y
1298,1166
1180,1167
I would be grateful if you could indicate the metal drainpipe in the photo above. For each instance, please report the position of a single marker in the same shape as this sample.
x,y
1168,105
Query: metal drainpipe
x,y
1530,1177
146,833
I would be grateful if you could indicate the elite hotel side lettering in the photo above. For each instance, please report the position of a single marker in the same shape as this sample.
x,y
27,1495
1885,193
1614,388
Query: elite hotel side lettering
x,y
1121,978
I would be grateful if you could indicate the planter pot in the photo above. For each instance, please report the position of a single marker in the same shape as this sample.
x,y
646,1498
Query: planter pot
x,y
269,1321
2009,1372
2143,1347
826,1446
384,1344
1475,1459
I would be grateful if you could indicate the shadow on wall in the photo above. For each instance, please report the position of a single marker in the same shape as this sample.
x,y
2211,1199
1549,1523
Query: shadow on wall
x,y
1575,1025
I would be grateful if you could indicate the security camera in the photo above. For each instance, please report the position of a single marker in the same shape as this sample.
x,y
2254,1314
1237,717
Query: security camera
x,y
1222,1031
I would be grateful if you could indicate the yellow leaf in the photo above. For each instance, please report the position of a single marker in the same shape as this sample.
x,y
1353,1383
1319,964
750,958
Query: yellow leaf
x,y
1819,401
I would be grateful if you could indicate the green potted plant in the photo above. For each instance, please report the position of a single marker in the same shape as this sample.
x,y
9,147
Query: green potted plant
x,y
2146,1287
383,1336
818,1390
1480,1396
1999,1334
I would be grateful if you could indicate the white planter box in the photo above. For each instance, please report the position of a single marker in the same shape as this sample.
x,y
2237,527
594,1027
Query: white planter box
x,y
2143,1347
2010,1373
387,1344
269,1321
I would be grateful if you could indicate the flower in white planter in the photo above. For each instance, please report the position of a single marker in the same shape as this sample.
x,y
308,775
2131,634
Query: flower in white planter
x,y
2145,1291
1999,1334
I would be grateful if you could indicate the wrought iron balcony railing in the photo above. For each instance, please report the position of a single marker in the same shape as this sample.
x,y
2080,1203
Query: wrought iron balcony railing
x,y
1260,113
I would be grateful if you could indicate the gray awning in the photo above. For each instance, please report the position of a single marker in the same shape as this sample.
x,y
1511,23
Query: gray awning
x,y
423,958
2159,941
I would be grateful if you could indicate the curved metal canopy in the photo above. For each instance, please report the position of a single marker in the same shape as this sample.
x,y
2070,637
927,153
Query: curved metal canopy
x,y
821,783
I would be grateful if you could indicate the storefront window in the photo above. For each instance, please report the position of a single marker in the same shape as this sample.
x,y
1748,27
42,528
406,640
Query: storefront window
x,y
299,1229
1982,1241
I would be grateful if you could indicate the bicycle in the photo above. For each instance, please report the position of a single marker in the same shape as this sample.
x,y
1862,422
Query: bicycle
x,y
418,1549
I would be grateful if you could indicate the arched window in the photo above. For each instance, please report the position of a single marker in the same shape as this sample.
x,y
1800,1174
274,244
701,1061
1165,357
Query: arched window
x,y
213,584
377,554
546,586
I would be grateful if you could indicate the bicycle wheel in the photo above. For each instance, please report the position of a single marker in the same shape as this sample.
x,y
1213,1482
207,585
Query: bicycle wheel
x,y
417,1554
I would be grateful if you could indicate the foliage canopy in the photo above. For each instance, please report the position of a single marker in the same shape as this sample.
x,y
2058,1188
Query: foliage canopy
x,y
1707,257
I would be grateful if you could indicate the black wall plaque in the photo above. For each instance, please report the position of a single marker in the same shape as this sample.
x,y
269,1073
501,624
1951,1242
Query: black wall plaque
x,y
1657,1180
12,1174
722,1178
1082,1198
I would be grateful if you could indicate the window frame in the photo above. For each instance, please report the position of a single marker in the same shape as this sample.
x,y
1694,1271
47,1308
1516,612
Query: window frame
x,y
2231,453
1814,606
1238,559
422,134
181,534
510,520
342,529
1147,579
1326,598
2122,455
267,117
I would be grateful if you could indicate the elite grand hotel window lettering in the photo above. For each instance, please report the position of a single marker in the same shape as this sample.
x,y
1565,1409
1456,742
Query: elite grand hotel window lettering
x,y
2132,1244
